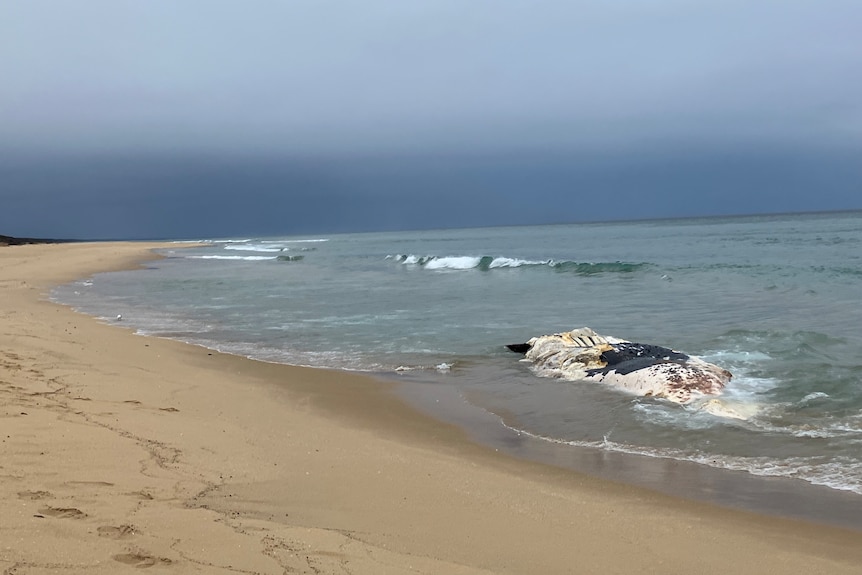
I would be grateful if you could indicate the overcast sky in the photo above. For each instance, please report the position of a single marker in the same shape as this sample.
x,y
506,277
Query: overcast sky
x,y
159,118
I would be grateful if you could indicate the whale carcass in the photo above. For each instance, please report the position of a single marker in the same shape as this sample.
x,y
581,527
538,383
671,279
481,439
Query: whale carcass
x,y
643,369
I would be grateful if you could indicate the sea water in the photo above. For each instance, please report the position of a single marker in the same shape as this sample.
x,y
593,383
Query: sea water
x,y
773,299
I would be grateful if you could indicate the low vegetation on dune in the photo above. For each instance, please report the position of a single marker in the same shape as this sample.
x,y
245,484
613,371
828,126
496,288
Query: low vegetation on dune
x,y
10,241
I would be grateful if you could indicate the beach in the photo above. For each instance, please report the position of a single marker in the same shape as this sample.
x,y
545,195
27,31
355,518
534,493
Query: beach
x,y
121,451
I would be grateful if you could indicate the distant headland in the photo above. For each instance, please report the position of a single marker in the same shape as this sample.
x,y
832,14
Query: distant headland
x,y
10,241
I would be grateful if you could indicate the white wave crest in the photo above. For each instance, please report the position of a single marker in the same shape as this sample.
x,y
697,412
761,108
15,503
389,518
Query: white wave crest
x,y
464,262
241,258
412,260
255,247
453,263
515,263
735,356
812,396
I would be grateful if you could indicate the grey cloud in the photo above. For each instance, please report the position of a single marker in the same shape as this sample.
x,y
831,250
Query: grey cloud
x,y
196,118
325,75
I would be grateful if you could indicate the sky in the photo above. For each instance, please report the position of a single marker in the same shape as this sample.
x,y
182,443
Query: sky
x,y
164,119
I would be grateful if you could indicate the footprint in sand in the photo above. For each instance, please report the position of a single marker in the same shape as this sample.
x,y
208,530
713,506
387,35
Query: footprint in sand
x,y
62,512
142,494
34,494
136,402
117,531
142,560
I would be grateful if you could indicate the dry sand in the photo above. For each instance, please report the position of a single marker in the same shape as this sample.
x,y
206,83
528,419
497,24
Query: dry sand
x,y
121,452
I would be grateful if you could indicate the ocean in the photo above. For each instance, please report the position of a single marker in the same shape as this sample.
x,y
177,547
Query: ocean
x,y
774,299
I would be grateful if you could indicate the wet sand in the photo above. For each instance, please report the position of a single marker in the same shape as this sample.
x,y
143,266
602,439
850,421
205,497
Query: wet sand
x,y
771,495
120,451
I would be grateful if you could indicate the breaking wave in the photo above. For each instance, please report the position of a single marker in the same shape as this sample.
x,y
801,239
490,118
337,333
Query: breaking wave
x,y
486,263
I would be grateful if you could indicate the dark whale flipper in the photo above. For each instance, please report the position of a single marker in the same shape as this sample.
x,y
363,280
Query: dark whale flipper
x,y
519,347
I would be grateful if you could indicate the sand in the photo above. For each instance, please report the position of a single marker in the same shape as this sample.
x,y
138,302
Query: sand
x,y
120,452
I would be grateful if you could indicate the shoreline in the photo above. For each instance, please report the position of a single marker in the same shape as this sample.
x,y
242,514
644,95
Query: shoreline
x,y
775,496
126,450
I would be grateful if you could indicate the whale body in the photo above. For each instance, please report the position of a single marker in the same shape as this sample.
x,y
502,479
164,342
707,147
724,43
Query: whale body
x,y
643,369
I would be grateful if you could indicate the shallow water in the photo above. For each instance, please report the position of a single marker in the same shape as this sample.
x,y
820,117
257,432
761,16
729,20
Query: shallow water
x,y
774,299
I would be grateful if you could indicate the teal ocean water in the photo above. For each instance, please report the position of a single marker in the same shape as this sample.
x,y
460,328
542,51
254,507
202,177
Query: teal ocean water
x,y
774,299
